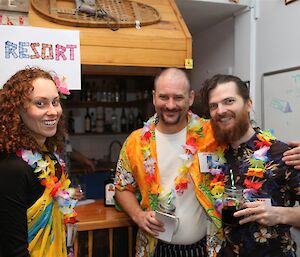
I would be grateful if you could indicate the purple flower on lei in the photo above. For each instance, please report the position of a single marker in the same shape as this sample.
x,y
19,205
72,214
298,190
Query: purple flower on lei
x,y
261,154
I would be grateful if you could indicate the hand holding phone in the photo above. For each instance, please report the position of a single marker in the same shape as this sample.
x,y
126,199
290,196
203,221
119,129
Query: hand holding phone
x,y
170,225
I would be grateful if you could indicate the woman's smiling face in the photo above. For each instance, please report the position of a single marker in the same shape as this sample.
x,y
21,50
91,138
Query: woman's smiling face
x,y
43,111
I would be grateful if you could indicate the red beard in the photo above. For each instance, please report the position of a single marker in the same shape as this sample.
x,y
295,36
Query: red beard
x,y
228,135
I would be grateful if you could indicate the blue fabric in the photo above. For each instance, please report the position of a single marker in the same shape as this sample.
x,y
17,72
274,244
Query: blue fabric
x,y
41,222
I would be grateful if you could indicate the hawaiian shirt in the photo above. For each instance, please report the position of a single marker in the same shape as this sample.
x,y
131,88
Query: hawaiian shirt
x,y
131,175
281,184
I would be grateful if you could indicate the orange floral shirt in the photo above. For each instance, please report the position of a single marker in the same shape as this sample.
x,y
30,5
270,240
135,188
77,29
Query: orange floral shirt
x,y
131,175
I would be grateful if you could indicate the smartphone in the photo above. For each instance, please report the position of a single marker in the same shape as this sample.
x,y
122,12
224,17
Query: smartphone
x,y
170,225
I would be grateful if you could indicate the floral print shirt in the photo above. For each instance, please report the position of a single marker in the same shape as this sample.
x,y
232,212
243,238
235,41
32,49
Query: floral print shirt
x,y
131,176
281,183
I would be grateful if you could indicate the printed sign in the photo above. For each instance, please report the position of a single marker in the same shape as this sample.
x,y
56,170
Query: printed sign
x,y
53,50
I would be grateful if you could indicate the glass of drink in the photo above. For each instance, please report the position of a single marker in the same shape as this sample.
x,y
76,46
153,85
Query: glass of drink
x,y
80,191
232,201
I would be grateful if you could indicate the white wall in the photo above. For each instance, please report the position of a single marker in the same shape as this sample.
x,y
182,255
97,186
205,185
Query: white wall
x,y
213,52
242,45
278,40
277,47
223,48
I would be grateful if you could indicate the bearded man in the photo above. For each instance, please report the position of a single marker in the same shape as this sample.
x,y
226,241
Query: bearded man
x,y
254,157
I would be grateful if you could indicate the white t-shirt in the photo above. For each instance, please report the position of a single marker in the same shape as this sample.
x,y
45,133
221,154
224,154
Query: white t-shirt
x,y
192,217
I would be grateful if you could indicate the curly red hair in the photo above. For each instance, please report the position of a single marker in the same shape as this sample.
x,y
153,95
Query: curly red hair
x,y
14,134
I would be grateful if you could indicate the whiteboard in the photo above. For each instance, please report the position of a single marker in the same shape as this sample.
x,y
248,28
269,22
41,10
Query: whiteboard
x,y
281,103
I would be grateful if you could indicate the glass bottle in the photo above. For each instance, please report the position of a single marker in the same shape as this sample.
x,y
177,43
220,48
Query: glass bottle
x,y
104,92
93,122
71,123
117,93
123,96
130,121
167,208
114,121
98,92
99,121
109,190
87,121
123,121
88,96
139,120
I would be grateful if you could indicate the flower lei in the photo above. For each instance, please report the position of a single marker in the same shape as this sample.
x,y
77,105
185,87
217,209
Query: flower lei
x,y
62,86
59,191
194,130
254,175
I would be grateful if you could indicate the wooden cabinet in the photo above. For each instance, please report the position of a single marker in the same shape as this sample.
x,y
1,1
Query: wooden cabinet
x,y
167,43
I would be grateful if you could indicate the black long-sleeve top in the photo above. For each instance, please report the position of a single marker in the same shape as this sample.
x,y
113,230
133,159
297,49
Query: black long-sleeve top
x,y
19,189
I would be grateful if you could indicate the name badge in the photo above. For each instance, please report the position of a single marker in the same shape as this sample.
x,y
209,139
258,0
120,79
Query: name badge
x,y
267,201
208,162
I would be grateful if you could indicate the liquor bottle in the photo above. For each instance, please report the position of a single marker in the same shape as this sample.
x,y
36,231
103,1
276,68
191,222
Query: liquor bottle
x,y
123,97
104,92
94,92
87,121
71,123
117,93
109,190
130,121
93,122
123,121
114,121
99,121
139,120
88,96
98,90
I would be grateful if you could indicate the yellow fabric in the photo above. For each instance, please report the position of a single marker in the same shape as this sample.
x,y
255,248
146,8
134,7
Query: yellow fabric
x,y
50,239
131,160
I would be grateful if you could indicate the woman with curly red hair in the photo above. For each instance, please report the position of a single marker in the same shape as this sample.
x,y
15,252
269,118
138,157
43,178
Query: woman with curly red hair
x,y
34,198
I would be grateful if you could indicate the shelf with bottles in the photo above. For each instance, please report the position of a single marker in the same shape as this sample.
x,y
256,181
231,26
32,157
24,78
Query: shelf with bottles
x,y
109,105
104,121
111,91
93,104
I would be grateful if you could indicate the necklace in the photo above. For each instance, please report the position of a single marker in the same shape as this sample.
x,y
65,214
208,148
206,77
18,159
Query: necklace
x,y
58,188
194,130
255,174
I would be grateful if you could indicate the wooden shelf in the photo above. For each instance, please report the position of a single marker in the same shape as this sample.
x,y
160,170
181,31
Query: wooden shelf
x,y
92,104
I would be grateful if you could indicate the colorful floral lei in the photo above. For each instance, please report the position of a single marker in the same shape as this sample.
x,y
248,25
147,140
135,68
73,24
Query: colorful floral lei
x,y
255,174
194,130
59,191
62,86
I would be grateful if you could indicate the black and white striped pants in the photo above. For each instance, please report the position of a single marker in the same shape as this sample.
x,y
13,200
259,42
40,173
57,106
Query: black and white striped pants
x,y
171,250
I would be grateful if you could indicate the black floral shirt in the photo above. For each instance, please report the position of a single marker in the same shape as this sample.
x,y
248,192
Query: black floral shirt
x,y
281,183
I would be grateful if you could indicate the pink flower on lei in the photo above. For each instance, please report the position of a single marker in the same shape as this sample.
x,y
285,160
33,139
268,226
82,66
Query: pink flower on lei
x,y
61,85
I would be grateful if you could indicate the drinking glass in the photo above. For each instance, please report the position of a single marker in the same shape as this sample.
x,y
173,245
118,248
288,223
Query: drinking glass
x,y
232,201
